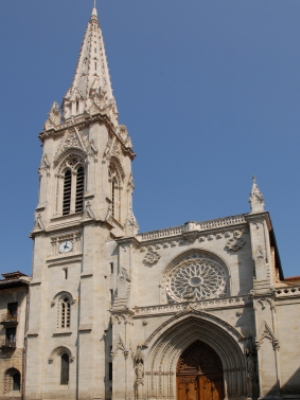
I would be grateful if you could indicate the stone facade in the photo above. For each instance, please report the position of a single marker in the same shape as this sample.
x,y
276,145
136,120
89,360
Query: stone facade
x,y
119,315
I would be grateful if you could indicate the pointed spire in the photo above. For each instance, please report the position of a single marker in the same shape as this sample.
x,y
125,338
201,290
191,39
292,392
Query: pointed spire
x,y
91,89
94,12
256,199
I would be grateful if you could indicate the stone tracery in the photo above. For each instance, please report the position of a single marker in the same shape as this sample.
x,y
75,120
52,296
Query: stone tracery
x,y
195,278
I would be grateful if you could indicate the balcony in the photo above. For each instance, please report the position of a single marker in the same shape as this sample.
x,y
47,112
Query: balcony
x,y
8,319
8,344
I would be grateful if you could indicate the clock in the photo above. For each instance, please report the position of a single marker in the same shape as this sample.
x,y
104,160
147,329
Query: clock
x,y
66,246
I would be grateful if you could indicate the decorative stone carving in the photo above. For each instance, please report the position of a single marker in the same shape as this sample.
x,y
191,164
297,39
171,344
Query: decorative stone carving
x,y
196,278
123,346
88,213
45,165
235,243
92,150
38,224
54,117
256,199
71,141
151,257
109,213
264,301
139,370
265,332
122,132
131,224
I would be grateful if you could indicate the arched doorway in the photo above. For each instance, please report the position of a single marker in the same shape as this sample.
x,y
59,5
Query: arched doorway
x,y
199,374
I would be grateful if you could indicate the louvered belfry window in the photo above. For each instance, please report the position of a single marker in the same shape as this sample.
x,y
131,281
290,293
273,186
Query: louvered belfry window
x,y
64,371
79,190
65,313
67,192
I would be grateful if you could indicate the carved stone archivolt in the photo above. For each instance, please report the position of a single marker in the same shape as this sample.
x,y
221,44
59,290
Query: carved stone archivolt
x,y
196,277
165,348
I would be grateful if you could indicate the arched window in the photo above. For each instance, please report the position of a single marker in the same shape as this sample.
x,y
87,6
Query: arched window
x,y
64,369
79,190
64,313
17,381
67,192
12,381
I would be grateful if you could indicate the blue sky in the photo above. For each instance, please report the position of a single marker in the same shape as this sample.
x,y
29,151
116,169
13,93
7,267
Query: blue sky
x,y
209,91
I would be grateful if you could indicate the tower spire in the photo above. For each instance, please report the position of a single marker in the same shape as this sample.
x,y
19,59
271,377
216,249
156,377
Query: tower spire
x,y
94,12
91,90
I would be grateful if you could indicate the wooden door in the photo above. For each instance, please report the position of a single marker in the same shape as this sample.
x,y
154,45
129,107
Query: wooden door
x,y
199,374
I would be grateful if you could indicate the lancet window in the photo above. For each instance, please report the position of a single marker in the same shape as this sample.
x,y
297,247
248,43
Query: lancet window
x,y
64,369
73,186
115,181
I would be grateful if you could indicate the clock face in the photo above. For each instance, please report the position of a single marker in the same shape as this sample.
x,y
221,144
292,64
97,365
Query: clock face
x,y
65,246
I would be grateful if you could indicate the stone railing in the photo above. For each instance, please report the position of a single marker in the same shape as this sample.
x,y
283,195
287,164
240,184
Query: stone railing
x,y
217,223
287,291
199,226
176,230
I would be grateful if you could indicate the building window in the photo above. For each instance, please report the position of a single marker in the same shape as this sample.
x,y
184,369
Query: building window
x,y
79,190
12,311
111,267
16,381
64,313
64,370
11,335
110,371
67,192
12,381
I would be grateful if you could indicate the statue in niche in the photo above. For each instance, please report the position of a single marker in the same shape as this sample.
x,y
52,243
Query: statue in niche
x,y
251,374
140,370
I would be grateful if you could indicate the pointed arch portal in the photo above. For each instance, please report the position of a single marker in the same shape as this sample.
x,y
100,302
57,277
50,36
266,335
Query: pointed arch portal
x,y
216,353
199,374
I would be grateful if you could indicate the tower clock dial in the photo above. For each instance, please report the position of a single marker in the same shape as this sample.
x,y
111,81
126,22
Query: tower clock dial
x,y
66,246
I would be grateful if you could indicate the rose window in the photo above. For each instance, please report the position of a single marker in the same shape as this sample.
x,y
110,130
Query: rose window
x,y
197,278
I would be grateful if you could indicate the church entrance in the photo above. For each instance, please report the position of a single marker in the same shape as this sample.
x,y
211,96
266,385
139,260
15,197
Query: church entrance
x,y
199,374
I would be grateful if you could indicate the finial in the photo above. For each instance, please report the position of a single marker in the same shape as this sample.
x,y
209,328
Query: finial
x,y
94,12
256,199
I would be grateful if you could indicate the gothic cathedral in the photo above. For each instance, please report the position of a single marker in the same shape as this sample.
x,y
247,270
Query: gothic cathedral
x,y
195,312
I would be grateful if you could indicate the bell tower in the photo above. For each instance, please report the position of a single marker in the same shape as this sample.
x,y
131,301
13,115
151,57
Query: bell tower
x,y
84,205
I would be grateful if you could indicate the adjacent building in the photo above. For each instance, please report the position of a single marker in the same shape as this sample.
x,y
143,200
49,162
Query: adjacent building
x,y
14,297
